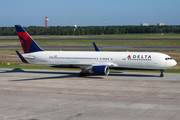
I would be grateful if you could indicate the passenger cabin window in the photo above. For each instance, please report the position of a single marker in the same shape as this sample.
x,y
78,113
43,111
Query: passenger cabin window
x,y
168,58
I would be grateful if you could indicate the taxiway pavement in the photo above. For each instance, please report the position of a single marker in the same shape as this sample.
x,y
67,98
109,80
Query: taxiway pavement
x,y
62,95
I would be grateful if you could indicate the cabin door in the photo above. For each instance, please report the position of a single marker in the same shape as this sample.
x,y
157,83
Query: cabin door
x,y
155,60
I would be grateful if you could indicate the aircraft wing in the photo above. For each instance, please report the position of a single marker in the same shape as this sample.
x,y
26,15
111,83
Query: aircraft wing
x,y
86,65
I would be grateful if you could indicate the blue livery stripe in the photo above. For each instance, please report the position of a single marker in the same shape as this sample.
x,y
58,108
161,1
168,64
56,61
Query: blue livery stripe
x,y
24,41
19,28
34,47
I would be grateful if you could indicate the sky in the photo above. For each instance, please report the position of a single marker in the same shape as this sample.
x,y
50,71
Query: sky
x,y
91,12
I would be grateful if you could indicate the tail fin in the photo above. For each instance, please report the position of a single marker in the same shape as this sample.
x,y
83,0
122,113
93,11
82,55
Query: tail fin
x,y
28,44
96,47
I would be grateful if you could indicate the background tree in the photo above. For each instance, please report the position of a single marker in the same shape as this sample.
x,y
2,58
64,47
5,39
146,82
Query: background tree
x,y
90,30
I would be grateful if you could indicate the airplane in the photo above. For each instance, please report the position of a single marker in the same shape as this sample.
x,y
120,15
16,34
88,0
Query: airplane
x,y
94,62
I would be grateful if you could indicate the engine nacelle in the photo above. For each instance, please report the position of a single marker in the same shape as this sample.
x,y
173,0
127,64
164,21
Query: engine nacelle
x,y
100,70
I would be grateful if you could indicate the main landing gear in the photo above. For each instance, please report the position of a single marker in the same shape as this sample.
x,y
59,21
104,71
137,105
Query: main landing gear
x,y
81,74
84,73
161,75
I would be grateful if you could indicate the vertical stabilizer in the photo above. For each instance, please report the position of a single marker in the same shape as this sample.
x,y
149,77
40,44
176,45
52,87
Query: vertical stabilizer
x,y
28,44
96,47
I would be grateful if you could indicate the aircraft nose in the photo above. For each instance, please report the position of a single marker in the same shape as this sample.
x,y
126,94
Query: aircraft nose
x,y
171,63
174,63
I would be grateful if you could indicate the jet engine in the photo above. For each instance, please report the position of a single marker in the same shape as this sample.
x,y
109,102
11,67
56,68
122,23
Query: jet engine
x,y
100,70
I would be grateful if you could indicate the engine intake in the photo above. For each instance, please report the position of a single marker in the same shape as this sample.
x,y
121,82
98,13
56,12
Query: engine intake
x,y
100,70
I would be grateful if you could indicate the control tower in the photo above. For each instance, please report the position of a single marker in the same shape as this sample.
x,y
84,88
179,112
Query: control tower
x,y
46,22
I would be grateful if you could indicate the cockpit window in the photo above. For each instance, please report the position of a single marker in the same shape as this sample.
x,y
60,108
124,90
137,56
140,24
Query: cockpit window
x,y
168,58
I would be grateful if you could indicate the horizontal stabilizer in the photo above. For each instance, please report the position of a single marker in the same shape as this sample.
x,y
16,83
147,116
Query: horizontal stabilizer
x,y
11,55
22,58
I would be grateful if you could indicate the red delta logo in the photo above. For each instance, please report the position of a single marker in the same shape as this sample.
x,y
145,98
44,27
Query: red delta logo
x,y
139,57
128,57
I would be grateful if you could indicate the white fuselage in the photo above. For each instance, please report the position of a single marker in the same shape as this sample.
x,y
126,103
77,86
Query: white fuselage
x,y
126,60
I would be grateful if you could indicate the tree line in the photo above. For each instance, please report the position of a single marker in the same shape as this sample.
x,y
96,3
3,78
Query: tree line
x,y
90,30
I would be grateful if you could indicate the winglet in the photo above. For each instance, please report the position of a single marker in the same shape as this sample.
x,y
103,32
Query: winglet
x,y
22,58
96,47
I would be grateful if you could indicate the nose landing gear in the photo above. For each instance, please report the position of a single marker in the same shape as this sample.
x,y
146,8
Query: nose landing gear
x,y
161,75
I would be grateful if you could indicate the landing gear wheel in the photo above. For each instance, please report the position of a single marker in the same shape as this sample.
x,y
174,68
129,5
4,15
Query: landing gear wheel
x,y
83,74
161,75
86,74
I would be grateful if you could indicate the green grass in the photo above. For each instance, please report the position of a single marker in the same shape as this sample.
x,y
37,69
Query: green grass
x,y
109,42
121,36
98,42
35,67
175,40
166,71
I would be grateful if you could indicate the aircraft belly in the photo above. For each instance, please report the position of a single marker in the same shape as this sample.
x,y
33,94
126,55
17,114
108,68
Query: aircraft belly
x,y
137,64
